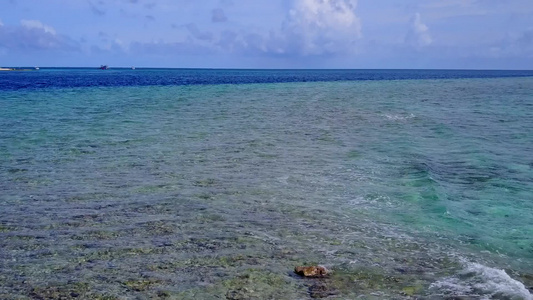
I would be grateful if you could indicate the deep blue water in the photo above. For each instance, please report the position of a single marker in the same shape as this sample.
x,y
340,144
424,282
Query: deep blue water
x,y
70,78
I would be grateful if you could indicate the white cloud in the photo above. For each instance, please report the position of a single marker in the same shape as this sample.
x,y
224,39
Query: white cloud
x,y
311,27
323,26
418,34
35,24
336,14
32,35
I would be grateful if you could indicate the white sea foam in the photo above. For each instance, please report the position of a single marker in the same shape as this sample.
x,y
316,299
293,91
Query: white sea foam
x,y
382,200
482,281
399,117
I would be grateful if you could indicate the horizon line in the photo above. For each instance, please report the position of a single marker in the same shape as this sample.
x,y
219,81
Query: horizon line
x,y
288,69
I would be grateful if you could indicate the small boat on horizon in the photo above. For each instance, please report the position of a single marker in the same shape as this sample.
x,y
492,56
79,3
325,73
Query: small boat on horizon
x,y
103,67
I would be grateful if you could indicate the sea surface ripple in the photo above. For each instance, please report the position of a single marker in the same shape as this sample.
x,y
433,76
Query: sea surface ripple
x,y
413,188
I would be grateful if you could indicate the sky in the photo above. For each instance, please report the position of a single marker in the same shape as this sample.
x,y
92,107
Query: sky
x,y
354,34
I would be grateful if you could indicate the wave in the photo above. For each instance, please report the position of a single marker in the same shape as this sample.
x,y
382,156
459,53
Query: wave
x,y
484,282
399,117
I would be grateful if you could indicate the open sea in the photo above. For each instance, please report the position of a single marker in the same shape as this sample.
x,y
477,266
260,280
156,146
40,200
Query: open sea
x,y
216,184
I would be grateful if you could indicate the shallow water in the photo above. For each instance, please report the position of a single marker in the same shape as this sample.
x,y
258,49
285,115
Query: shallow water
x,y
403,188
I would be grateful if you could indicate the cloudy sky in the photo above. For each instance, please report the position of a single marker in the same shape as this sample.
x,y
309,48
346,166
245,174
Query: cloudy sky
x,y
480,34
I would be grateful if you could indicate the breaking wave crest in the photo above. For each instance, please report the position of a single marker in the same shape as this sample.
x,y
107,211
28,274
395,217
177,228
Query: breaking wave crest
x,y
399,117
484,282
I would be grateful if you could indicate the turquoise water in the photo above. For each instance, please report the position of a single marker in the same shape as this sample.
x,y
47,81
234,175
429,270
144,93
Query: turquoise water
x,y
402,188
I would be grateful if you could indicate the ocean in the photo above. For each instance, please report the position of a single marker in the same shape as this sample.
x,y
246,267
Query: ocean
x,y
216,184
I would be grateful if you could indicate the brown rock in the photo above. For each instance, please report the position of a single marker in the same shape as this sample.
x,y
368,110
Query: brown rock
x,y
311,271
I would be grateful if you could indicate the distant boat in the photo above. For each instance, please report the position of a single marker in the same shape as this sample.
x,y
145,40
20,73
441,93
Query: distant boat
x,y
104,67
36,68
133,68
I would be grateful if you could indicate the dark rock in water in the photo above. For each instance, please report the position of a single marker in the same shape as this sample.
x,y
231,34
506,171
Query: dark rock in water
x,y
321,290
527,279
311,271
